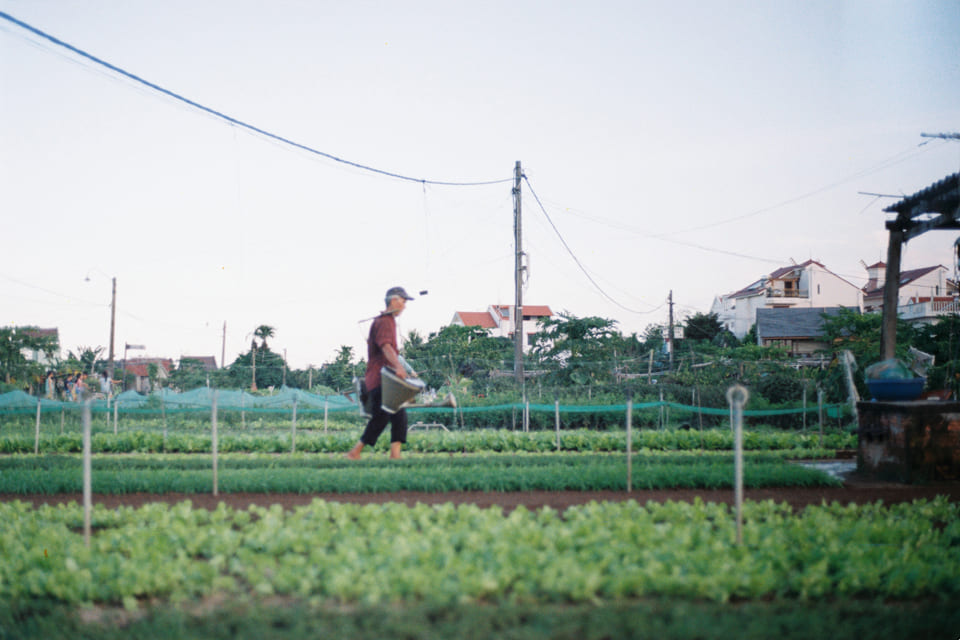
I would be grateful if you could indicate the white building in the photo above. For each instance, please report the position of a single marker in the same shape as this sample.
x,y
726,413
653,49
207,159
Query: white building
x,y
498,320
805,285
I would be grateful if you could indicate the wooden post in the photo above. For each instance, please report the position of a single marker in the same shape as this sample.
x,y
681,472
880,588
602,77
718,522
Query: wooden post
x,y
629,445
36,440
87,474
891,291
163,413
116,410
213,440
556,418
293,429
820,413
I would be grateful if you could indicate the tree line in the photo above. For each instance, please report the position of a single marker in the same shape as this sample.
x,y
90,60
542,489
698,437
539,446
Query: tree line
x,y
584,358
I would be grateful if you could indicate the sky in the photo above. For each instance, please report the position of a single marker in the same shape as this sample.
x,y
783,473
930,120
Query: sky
x,y
684,146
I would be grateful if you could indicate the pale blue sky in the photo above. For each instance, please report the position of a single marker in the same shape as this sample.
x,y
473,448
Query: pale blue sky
x,y
676,145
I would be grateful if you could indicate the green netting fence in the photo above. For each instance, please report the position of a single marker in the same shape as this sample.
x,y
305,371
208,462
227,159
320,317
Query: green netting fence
x,y
286,400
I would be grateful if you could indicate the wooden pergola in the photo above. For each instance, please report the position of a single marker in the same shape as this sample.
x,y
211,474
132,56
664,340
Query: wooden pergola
x,y
936,207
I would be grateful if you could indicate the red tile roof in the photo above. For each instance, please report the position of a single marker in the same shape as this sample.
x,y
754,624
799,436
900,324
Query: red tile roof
x,y
477,319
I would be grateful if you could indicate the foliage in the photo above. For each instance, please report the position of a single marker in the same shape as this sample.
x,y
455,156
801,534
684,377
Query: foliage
x,y
859,333
942,340
132,474
703,327
269,369
86,359
443,554
265,440
339,373
579,351
659,617
15,368
456,352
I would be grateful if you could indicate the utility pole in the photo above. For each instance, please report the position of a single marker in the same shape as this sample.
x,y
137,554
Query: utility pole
x,y
223,346
518,278
113,324
670,329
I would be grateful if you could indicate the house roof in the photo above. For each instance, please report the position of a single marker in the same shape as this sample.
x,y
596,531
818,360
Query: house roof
x,y
529,310
782,271
759,286
935,207
166,363
209,363
36,332
476,319
536,311
797,322
906,277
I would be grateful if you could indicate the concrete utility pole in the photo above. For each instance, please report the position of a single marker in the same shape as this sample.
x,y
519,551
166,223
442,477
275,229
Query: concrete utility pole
x,y
113,324
518,278
223,346
670,328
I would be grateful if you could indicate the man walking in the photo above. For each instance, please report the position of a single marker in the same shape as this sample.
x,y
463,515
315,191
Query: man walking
x,y
382,351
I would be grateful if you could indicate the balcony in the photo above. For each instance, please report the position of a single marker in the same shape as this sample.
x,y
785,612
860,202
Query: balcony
x,y
928,311
787,293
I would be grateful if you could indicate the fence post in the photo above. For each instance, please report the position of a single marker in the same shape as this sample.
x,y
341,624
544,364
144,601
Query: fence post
x,y
116,410
629,443
163,413
213,440
526,415
293,429
556,417
36,440
820,413
804,405
87,473
661,409
326,404
737,397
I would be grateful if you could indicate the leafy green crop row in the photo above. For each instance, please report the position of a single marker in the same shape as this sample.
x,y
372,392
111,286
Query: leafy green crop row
x,y
429,442
445,473
393,553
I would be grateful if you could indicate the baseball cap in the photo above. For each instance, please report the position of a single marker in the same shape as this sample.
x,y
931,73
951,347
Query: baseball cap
x,y
398,291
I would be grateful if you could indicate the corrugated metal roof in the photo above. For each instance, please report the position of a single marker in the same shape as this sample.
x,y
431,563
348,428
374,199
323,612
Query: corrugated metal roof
x,y
803,322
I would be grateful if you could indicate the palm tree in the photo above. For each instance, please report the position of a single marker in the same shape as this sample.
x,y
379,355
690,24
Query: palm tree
x,y
263,332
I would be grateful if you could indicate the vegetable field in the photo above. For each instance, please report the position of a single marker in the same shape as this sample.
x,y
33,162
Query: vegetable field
x,y
617,567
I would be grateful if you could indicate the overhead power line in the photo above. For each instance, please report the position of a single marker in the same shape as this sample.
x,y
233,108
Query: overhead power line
x,y
576,260
230,119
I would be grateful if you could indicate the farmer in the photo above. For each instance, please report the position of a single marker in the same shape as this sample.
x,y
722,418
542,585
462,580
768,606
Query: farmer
x,y
382,350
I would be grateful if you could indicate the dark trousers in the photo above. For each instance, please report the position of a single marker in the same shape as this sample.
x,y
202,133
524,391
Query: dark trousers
x,y
378,422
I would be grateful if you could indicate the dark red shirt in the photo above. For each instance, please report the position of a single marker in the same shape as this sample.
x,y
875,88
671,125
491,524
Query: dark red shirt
x,y
383,332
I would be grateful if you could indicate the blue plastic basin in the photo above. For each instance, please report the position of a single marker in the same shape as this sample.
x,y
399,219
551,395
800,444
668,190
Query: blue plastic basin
x,y
896,388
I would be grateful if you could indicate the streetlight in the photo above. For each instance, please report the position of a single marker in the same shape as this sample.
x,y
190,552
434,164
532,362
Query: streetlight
x,y
113,323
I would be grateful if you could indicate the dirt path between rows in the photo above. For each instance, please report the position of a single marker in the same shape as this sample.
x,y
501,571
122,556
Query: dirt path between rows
x,y
855,490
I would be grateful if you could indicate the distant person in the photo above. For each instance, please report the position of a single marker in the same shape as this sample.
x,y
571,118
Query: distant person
x,y
50,386
382,350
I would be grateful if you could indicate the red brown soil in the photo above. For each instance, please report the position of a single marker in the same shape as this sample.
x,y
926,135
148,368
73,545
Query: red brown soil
x,y
855,490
